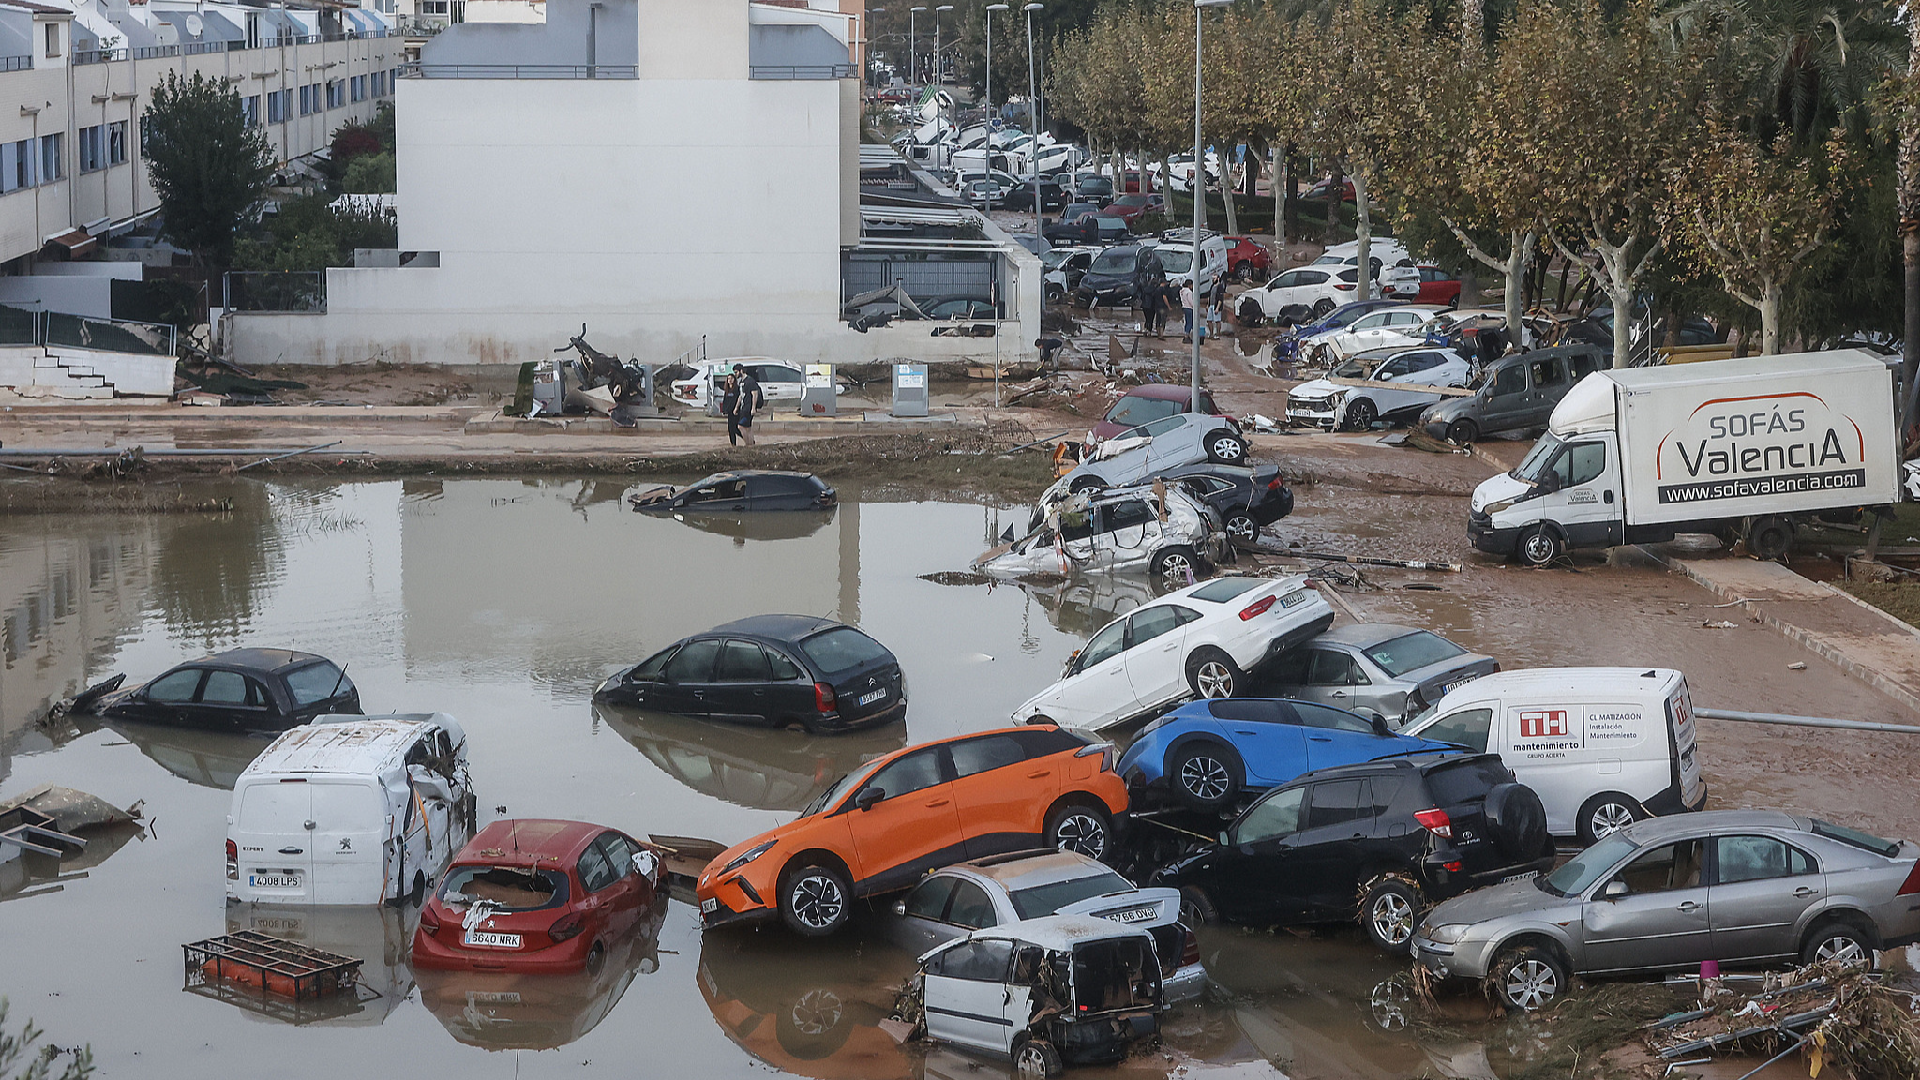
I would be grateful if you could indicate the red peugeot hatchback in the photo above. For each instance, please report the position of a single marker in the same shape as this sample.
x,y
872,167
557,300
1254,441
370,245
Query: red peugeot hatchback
x,y
537,896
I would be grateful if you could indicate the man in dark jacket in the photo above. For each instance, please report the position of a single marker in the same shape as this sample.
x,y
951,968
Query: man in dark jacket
x,y
750,399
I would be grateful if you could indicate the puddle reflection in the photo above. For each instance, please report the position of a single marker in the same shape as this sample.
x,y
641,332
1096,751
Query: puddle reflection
x,y
806,1007
206,758
375,936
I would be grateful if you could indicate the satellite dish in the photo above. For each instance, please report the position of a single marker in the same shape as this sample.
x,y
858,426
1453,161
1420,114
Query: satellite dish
x,y
195,24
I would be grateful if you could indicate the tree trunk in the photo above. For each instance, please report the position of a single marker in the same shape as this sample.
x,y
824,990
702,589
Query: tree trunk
x,y
1336,194
1473,30
1519,257
1279,181
1226,195
1292,205
1909,209
1620,295
1770,319
1363,233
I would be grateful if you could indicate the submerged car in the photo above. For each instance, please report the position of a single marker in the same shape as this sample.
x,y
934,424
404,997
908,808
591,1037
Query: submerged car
x,y
239,690
772,670
1374,843
1741,887
1139,454
957,900
1376,669
745,490
1335,406
1205,754
1200,641
878,828
1247,499
1170,535
534,895
1045,992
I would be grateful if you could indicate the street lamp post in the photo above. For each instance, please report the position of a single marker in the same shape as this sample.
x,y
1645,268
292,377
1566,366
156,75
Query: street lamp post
x,y
939,67
1033,137
1197,187
991,8
865,46
913,48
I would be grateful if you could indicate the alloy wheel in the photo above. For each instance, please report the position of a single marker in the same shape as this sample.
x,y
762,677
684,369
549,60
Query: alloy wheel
x,y
1610,818
817,1012
1032,1061
1226,449
1243,527
1205,778
1083,833
1176,569
1842,949
817,901
1530,984
1214,679
1392,918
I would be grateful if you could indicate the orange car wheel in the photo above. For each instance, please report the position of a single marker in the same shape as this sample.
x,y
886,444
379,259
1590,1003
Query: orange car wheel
x,y
815,900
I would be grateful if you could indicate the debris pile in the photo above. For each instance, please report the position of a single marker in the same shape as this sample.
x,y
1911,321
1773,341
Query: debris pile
x,y
1853,1019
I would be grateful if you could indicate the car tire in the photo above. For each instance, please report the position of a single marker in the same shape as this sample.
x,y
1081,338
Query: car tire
x,y
1361,414
1205,776
1769,538
1840,941
1516,821
1389,912
815,900
1226,448
1082,829
1526,978
1243,527
1174,565
596,958
1538,546
1036,1060
1196,907
1321,307
1605,814
1213,674
1085,483
1463,432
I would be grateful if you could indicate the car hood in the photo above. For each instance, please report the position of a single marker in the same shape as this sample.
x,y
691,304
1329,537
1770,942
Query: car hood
x,y
1502,488
1496,902
655,496
1317,390
1134,907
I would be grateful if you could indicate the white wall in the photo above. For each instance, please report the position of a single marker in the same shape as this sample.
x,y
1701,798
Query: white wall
x,y
72,295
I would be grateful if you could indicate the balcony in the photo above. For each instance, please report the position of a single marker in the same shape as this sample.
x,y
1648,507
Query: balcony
x,y
520,71
802,71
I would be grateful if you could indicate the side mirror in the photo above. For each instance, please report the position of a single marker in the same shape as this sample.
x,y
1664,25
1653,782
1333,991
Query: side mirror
x,y
1072,658
1615,890
868,797
899,907
1381,727
1225,841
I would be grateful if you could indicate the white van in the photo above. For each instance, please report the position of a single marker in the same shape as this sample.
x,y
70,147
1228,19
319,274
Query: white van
x,y
350,810
1602,746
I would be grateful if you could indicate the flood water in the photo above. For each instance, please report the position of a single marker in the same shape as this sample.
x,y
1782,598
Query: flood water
x,y
504,602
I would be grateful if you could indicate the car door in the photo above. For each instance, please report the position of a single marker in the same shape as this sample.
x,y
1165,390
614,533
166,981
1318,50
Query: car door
x,y
1337,737
1329,676
1095,691
967,999
1156,653
913,826
722,496
741,683
1128,533
1258,882
995,787
228,701
167,699
1292,287
778,381
1325,854
1546,385
1271,745
687,679
922,918
1506,404
1661,920
1582,500
1761,887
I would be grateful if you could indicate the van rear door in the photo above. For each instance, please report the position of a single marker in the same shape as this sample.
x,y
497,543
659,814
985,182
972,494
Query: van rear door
x,y
350,821
275,848
1680,729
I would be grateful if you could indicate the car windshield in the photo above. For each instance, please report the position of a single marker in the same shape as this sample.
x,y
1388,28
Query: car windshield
x,y
1465,781
1533,467
1221,590
1412,652
841,786
1052,259
1117,261
1855,838
1346,316
316,683
1579,873
842,649
1176,260
1047,899
506,888
1352,369
1134,411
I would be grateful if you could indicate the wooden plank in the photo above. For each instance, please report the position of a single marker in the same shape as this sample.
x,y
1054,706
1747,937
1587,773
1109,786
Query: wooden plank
x,y
1422,388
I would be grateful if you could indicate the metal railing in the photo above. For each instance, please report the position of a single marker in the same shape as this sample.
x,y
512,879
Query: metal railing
x,y
197,48
16,63
801,71
520,71
303,291
152,52
97,56
21,326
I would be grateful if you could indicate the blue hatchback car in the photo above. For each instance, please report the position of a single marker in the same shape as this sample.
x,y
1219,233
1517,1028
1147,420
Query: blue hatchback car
x,y
1205,753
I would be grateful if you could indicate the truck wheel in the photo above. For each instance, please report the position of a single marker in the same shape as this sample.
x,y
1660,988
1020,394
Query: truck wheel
x,y
1769,537
1605,814
1538,546
1463,432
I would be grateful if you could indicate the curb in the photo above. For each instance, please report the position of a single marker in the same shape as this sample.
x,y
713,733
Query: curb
x,y
1812,642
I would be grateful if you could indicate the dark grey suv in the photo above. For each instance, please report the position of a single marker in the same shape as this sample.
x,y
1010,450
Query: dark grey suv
x,y
1514,393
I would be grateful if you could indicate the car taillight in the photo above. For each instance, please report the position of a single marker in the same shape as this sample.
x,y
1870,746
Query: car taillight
x,y
429,920
1344,288
1189,950
1275,484
233,862
567,926
823,699
1435,821
1258,607
1912,885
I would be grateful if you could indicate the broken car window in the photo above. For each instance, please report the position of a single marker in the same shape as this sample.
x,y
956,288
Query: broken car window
x,y
315,683
510,888
976,961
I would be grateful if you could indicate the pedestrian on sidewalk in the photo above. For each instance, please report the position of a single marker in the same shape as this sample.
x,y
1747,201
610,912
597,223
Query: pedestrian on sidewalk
x,y
1187,301
750,399
729,400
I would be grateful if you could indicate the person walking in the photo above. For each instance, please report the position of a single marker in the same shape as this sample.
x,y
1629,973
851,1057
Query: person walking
x,y
729,398
1153,310
1187,301
750,399
1217,304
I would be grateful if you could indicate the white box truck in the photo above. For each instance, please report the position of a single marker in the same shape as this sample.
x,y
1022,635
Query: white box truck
x,y
1738,448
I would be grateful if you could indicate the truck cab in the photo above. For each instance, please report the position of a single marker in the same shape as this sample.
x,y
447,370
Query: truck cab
x,y
1565,493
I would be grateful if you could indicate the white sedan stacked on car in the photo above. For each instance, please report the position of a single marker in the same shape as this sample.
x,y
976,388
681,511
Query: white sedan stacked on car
x,y
1337,406
1198,642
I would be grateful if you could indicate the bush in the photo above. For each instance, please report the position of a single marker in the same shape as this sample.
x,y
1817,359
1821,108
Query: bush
x,y
369,174
309,234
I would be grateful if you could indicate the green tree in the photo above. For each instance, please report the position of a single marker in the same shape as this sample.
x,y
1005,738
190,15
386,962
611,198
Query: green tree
x,y
369,174
20,1061
208,167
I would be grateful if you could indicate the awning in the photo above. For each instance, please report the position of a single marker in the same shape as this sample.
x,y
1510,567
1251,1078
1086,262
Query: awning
x,y
74,242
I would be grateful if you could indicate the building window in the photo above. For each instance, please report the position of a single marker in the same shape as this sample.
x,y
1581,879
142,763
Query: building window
x,y
93,148
433,7
52,161
16,165
336,93
53,40
277,105
117,143
309,99
251,107
379,84
357,87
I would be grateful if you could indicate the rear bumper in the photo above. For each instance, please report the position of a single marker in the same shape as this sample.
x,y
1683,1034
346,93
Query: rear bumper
x,y
1291,638
888,715
1185,984
568,956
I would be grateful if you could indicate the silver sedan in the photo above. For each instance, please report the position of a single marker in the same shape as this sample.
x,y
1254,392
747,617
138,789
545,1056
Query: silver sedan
x,y
1375,669
1741,887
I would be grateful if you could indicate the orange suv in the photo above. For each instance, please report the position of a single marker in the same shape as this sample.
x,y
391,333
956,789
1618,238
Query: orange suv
x,y
878,828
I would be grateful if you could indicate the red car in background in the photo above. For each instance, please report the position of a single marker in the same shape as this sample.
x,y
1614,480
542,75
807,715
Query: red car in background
x,y
1437,286
1129,207
1144,405
535,895
1247,259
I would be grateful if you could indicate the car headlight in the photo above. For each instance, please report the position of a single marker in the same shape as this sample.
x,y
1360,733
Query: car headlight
x,y
748,856
1449,934
1496,507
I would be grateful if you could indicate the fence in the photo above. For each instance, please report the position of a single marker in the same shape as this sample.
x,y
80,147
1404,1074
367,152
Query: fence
x,y
270,290
20,326
520,71
802,71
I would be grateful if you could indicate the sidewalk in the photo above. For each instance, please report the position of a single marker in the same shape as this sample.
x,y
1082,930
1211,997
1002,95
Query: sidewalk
x,y
1860,639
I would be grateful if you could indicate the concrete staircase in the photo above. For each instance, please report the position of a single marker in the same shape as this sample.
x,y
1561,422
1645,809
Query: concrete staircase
x,y
61,376
74,374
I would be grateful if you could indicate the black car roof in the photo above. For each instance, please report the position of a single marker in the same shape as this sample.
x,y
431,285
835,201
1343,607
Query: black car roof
x,y
779,627
258,659
1424,761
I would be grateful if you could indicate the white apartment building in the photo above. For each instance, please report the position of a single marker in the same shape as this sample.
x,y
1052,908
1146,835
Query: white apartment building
x,y
669,172
75,76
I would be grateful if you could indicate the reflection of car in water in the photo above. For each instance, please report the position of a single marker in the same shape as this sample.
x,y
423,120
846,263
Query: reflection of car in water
x,y
1084,603
792,525
805,1007
207,758
746,489
501,1010
756,767
374,935
33,875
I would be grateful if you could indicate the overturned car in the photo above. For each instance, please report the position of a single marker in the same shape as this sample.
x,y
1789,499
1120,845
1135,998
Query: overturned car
x,y
1159,529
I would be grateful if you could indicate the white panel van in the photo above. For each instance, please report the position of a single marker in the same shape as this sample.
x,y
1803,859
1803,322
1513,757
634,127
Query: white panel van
x,y
1602,746
350,810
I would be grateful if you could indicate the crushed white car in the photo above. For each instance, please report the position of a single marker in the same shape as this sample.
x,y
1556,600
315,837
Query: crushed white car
x,y
1330,404
1149,528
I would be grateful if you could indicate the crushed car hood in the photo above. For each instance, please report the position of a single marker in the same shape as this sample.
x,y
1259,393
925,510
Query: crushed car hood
x,y
1317,390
